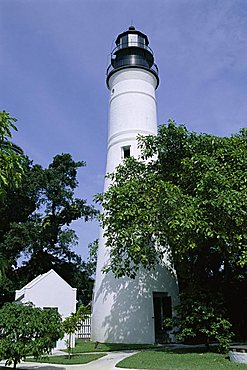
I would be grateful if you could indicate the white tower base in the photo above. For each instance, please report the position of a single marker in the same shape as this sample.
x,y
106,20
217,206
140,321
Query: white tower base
x,y
123,310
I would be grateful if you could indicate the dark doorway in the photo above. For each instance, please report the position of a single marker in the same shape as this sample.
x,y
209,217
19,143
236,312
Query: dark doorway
x,y
162,309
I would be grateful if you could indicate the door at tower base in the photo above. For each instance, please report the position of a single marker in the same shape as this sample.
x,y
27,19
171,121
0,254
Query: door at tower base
x,y
162,310
127,310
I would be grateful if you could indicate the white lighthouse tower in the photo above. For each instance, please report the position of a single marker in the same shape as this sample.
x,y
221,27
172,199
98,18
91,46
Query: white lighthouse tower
x,y
131,310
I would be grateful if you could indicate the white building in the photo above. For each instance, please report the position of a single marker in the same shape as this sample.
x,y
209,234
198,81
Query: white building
x,y
49,290
126,310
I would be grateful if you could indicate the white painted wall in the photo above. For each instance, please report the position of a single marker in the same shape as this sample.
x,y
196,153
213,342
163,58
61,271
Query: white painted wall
x,y
50,290
123,308
132,111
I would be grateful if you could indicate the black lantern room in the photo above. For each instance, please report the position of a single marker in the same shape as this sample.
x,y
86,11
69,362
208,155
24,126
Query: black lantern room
x,y
132,50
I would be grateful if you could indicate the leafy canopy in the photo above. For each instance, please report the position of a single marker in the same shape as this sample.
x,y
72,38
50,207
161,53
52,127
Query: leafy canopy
x,y
190,192
11,156
73,323
186,196
27,330
36,221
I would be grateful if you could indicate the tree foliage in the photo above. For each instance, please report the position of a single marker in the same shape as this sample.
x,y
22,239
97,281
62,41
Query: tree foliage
x,y
27,330
11,156
200,319
73,323
36,225
12,165
192,194
187,196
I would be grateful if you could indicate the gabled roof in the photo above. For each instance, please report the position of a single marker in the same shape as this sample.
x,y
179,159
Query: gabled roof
x,y
38,279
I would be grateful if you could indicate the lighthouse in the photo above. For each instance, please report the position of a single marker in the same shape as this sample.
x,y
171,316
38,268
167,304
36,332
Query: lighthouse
x,y
131,310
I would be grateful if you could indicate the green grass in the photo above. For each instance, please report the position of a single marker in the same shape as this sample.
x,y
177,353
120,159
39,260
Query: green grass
x,y
179,360
64,360
87,346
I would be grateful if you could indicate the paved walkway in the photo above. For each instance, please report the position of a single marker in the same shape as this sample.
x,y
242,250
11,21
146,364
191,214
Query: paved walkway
x,y
107,362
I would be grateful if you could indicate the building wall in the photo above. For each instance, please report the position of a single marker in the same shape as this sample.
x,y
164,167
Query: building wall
x,y
132,111
51,291
123,308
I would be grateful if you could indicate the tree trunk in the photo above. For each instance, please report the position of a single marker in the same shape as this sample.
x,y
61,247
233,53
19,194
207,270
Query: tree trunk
x,y
69,346
15,363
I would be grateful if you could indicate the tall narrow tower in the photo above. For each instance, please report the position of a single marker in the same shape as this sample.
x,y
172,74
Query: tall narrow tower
x,y
126,310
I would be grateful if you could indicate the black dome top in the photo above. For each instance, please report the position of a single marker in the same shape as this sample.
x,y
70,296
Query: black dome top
x,y
132,31
131,51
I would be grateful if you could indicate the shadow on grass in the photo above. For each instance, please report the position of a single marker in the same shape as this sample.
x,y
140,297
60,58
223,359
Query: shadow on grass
x,y
188,350
76,359
88,346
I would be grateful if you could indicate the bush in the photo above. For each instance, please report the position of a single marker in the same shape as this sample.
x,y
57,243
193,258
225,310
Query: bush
x,y
27,330
200,322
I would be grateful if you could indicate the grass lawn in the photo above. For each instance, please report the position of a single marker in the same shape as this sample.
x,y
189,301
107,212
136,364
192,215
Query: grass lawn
x,y
64,360
183,359
83,346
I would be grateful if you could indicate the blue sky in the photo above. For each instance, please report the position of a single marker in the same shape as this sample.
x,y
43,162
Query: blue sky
x,y
54,55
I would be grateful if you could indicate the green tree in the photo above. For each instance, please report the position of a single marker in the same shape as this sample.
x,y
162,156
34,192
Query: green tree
x,y
73,323
36,219
12,165
11,156
200,320
27,330
92,259
189,199
192,194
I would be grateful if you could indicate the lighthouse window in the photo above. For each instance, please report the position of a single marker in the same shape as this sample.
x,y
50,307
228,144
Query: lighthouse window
x,y
124,42
133,40
126,151
141,41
